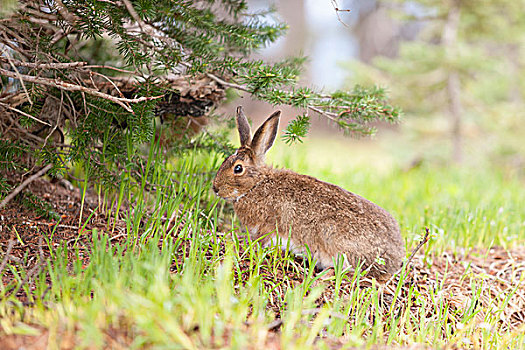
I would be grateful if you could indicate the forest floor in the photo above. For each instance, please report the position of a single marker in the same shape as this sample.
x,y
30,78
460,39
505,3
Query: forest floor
x,y
28,241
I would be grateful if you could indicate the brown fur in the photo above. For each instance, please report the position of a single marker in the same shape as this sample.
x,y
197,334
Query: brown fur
x,y
328,219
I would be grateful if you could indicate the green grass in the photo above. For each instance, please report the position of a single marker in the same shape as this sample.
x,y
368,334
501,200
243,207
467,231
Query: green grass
x,y
192,285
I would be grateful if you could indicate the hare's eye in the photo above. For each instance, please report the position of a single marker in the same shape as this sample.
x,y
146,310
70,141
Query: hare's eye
x,y
237,169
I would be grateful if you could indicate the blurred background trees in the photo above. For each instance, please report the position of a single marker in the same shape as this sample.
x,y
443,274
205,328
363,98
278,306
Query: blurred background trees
x,y
464,65
456,68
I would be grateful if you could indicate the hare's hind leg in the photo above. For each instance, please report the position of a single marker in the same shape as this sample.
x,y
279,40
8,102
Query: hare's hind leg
x,y
285,243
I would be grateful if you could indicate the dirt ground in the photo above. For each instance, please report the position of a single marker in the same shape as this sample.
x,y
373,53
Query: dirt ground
x,y
25,234
32,235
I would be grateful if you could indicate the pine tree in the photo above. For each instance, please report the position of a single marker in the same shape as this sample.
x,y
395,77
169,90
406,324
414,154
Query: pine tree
x,y
86,82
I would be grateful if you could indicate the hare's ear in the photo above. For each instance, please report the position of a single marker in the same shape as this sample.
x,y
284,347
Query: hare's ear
x,y
265,135
243,126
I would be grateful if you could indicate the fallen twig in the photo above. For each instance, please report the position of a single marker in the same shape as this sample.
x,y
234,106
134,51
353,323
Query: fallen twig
x,y
24,113
24,184
278,322
10,246
34,271
423,241
56,225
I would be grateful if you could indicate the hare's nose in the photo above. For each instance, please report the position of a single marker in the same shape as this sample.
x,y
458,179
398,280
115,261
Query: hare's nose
x,y
215,189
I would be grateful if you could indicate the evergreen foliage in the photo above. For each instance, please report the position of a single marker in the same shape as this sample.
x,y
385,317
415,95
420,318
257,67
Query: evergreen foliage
x,y
87,82
296,129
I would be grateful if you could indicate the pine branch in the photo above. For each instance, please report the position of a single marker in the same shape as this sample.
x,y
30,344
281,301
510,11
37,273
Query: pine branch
x,y
66,65
57,83
331,102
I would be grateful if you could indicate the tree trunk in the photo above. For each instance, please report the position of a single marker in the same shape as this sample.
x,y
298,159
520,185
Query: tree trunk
x,y
293,12
454,94
450,33
516,67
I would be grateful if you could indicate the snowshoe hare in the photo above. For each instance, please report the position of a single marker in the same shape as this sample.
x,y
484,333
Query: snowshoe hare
x,y
328,219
